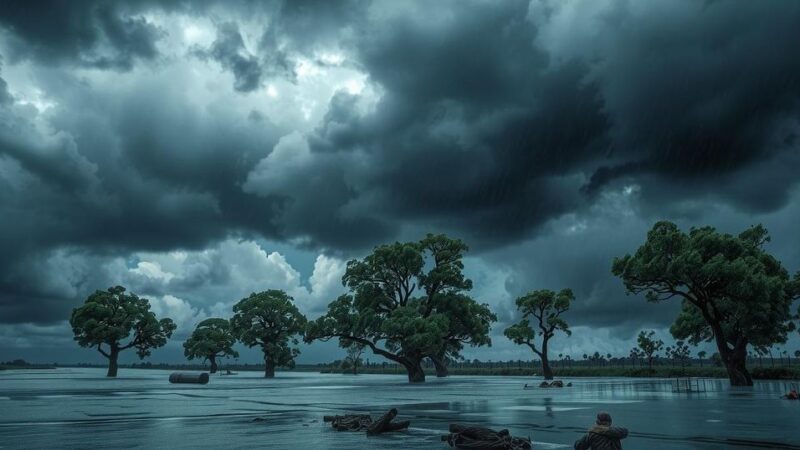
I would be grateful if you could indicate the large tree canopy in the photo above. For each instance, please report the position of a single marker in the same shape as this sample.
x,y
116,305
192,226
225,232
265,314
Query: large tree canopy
x,y
407,301
732,291
213,338
108,317
544,308
271,321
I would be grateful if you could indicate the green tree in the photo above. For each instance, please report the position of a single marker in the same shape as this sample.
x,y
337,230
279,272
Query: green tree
x,y
353,359
679,353
212,339
649,346
408,302
269,320
469,323
701,355
732,291
544,309
108,317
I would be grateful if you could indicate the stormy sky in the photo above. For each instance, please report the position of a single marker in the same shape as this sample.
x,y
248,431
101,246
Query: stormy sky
x,y
195,152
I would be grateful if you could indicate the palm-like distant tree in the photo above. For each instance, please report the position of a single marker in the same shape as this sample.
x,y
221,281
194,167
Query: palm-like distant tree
x,y
701,355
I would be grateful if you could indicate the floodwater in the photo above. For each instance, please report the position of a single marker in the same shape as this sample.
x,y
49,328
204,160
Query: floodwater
x,y
80,408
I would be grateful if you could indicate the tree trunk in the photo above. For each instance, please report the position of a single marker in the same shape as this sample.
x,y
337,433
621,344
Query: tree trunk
x,y
440,365
269,368
113,356
414,369
213,360
735,359
547,372
735,364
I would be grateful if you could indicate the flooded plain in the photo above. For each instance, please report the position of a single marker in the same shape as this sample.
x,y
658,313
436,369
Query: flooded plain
x,y
80,408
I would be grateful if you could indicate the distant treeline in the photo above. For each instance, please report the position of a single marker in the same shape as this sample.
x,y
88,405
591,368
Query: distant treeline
x,y
22,364
499,369
589,362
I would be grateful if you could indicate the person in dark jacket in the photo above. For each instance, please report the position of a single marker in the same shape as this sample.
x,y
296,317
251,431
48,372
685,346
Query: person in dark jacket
x,y
602,436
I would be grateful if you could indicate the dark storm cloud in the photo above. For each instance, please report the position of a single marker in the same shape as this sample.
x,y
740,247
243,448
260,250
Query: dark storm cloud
x,y
5,96
229,50
127,172
697,92
91,33
474,132
491,121
486,133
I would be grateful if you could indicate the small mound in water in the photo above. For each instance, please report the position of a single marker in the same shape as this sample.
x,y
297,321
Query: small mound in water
x,y
364,422
478,438
545,384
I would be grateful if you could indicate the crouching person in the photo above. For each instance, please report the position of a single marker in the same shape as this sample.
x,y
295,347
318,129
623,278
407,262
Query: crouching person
x,y
602,436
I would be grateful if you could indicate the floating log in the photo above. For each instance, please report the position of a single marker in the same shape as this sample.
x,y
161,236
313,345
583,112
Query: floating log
x,y
194,378
384,423
479,438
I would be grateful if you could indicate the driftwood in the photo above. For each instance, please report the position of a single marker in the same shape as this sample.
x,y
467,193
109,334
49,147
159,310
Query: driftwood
x,y
364,422
384,423
554,384
479,438
194,378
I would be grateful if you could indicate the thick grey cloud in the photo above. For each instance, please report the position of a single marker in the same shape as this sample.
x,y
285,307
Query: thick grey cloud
x,y
548,135
91,33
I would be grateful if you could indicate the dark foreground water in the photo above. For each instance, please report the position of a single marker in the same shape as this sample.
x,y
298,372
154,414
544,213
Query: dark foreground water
x,y
80,408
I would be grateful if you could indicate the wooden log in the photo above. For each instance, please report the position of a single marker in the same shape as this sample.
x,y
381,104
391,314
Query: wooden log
x,y
397,426
194,378
379,426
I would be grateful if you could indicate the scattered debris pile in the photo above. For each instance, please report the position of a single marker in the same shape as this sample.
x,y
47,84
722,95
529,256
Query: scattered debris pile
x,y
364,422
478,438
545,384
554,384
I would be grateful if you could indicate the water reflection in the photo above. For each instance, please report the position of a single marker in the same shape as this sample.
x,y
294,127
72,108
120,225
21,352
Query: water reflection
x,y
144,410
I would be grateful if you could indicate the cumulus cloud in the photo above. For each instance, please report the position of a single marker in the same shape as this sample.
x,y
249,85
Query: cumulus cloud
x,y
217,277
